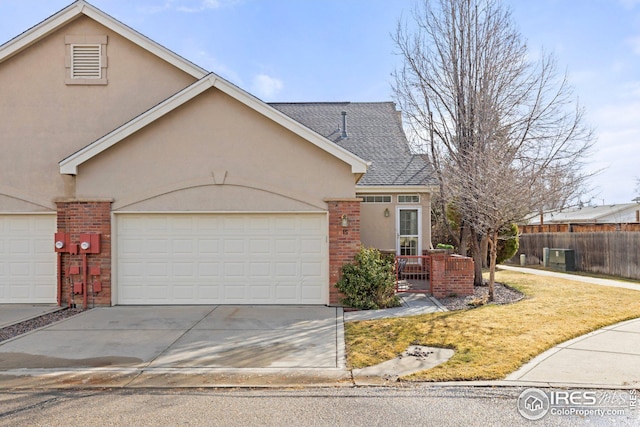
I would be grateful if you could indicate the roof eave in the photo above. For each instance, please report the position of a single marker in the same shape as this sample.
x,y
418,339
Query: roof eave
x,y
396,188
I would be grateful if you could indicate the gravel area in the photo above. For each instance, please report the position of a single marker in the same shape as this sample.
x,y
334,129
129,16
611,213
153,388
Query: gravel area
x,y
37,322
502,293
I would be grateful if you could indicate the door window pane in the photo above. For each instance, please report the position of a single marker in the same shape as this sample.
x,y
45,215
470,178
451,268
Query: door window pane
x,y
409,246
409,222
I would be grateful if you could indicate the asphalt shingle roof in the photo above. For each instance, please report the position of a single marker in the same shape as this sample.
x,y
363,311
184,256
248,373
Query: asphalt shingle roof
x,y
374,133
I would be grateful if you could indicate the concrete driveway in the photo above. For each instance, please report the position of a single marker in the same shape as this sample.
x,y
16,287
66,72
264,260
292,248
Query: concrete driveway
x,y
146,343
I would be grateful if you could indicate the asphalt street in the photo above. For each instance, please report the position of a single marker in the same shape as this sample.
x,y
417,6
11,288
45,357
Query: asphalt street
x,y
372,406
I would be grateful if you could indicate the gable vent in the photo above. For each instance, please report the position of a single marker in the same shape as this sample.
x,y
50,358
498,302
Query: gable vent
x,y
85,63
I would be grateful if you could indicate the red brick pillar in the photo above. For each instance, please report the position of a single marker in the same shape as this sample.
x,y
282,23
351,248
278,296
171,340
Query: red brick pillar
x,y
90,217
344,242
438,273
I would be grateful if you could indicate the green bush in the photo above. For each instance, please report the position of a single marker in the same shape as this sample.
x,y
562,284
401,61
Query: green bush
x,y
444,246
508,243
368,283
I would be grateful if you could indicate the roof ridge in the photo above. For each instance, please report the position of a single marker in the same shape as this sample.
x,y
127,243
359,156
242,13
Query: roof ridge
x,y
331,103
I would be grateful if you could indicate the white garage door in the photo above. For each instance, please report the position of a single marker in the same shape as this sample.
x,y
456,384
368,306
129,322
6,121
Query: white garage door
x,y
27,259
222,259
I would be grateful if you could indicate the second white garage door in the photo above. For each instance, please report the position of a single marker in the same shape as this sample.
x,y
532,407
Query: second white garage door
x,y
222,259
27,259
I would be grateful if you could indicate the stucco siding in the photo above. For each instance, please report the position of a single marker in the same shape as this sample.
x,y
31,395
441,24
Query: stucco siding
x,y
46,120
214,153
379,231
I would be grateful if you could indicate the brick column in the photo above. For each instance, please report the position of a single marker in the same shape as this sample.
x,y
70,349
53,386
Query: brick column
x,y
438,274
344,242
94,217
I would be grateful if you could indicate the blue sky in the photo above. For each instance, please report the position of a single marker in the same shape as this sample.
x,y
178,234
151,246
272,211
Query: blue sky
x,y
341,50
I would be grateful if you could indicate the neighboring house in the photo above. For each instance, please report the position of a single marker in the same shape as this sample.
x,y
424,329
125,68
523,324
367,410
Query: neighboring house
x,y
622,213
187,189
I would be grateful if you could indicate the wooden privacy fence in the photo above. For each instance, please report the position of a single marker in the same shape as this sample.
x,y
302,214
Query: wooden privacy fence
x,y
617,254
579,228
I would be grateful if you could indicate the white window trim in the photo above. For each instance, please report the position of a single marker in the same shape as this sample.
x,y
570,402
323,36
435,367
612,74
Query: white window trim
x,y
363,196
409,207
409,195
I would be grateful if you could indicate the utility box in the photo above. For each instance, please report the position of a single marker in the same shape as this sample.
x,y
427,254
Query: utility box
x,y
562,259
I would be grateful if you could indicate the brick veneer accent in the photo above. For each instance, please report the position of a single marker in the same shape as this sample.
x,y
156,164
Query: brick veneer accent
x,y
75,218
344,242
450,274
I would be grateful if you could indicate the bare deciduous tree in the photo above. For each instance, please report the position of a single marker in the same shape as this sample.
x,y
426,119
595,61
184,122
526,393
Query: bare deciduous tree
x,y
504,132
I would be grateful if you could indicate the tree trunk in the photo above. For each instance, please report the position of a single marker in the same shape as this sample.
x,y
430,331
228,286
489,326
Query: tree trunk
x,y
476,253
463,240
485,252
493,254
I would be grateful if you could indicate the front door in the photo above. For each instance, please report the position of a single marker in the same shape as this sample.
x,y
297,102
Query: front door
x,y
409,230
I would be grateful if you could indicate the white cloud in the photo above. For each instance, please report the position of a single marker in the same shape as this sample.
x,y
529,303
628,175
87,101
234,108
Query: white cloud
x,y
188,6
155,8
266,86
191,6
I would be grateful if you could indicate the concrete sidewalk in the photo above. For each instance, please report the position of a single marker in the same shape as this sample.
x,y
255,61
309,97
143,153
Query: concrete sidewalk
x,y
608,357
574,277
413,304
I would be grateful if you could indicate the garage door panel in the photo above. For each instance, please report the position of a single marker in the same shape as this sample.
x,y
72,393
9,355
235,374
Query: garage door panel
x,y
259,246
234,292
159,246
208,294
182,247
20,246
233,270
260,270
286,246
232,258
157,269
310,292
208,246
208,269
287,292
234,246
183,270
311,246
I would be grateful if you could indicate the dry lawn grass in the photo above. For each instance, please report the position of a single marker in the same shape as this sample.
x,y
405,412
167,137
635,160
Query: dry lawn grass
x,y
493,341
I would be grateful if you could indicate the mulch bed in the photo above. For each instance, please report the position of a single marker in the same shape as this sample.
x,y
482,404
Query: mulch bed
x,y
502,294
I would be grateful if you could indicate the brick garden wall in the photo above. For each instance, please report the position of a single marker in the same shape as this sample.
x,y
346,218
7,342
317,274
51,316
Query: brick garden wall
x,y
79,217
451,274
344,242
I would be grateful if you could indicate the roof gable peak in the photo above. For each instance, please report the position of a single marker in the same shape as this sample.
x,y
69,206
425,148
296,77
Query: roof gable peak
x,y
82,7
